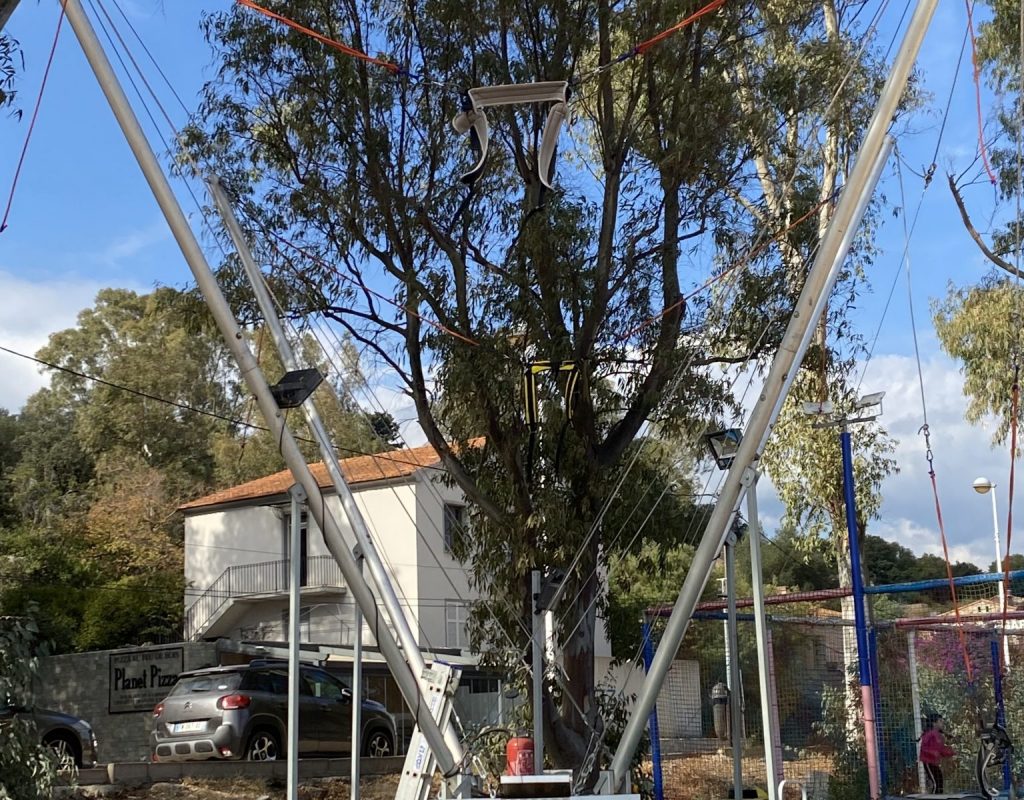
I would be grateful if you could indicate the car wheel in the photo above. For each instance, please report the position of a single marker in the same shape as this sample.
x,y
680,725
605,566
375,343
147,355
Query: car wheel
x,y
379,744
263,746
68,757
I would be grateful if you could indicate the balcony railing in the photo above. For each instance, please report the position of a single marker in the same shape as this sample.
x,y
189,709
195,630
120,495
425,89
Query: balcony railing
x,y
246,580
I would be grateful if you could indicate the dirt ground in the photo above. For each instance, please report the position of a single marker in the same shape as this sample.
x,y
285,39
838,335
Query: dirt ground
x,y
709,777
375,787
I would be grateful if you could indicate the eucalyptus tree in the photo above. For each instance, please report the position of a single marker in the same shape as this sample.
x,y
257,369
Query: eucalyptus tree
x,y
980,325
671,172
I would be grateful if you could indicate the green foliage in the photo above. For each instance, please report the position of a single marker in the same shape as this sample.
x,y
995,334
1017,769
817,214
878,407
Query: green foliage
x,y
10,53
133,610
28,769
979,326
94,470
691,146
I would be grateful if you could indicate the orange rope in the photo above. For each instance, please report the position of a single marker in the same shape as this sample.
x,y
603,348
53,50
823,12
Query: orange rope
x,y
32,122
977,93
709,8
949,575
343,48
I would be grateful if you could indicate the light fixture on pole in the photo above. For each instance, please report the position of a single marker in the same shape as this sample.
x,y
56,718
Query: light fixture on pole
x,y
863,410
985,486
723,445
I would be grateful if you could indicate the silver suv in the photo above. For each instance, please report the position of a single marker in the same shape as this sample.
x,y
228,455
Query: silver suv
x,y
241,712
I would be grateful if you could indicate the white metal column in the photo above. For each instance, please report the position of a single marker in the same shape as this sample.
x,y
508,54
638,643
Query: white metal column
x,y
298,498
407,680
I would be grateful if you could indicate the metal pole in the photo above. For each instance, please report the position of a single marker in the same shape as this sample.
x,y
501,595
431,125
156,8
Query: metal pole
x,y
538,676
298,497
820,280
997,682
378,572
773,698
1000,569
772,774
915,701
357,691
407,681
859,619
652,722
735,708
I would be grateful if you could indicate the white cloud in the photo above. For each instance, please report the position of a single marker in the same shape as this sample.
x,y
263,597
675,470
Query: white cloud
x,y
961,452
29,312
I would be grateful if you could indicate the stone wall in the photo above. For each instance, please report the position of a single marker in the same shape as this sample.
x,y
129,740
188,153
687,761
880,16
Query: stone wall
x,y
115,690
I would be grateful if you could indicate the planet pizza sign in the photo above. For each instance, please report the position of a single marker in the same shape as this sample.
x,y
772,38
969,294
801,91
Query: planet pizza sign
x,y
139,679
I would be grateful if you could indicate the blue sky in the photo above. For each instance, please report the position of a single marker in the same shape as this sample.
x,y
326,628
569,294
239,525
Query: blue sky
x,y
84,219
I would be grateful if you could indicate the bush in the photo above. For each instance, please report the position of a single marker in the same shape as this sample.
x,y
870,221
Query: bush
x,y
28,768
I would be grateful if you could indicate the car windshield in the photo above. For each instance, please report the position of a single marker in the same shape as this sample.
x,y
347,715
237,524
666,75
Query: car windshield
x,y
217,682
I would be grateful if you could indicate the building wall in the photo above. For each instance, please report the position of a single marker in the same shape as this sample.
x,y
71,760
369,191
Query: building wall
x,y
80,684
216,540
443,581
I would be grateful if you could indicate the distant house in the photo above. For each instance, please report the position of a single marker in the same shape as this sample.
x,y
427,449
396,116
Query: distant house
x,y
237,544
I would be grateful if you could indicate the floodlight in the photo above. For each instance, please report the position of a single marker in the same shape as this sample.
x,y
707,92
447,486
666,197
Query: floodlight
x,y
295,387
818,409
983,485
868,400
724,446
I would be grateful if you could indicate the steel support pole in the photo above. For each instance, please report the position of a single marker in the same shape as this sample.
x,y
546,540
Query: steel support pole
x,y
1000,568
538,675
772,774
735,678
653,727
915,701
405,678
298,498
867,697
357,691
378,572
820,280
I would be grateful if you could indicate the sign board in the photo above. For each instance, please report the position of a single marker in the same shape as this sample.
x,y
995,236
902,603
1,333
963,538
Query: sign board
x,y
139,679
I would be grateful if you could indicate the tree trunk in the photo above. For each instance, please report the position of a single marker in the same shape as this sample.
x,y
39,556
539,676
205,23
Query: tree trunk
x,y
851,661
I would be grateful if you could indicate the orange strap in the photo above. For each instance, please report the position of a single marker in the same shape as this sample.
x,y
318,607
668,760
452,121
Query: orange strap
x,y
343,48
949,574
32,122
709,8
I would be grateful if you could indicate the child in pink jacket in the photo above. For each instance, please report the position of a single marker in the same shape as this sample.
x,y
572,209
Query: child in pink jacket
x,y
933,750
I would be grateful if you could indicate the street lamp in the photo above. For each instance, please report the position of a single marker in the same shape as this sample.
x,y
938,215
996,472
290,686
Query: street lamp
x,y
985,486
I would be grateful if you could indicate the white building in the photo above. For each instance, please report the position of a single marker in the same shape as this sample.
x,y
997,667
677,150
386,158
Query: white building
x,y
237,544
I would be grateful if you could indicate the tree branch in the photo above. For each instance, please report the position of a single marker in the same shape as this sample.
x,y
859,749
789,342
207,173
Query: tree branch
x,y
1002,263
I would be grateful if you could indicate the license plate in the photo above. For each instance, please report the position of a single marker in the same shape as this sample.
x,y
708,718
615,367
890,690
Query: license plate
x,y
188,727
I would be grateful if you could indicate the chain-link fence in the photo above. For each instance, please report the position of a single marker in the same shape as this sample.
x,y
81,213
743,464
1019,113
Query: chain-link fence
x,y
924,661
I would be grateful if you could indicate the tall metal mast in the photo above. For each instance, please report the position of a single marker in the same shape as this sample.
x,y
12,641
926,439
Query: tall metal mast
x,y
355,517
766,411
407,680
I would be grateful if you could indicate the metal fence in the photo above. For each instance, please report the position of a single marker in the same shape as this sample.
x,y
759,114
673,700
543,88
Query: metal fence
x,y
923,662
246,580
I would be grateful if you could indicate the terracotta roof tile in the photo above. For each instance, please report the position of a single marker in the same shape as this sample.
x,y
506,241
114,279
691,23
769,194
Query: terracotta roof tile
x,y
361,469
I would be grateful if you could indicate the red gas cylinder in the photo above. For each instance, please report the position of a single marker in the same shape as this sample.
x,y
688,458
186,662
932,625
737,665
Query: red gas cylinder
x,y
519,756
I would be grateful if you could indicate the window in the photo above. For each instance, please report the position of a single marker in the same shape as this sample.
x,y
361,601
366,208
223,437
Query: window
x,y
303,548
454,525
455,617
325,686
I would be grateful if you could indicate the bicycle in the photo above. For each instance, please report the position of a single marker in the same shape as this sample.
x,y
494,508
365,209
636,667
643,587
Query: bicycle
x,y
995,752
